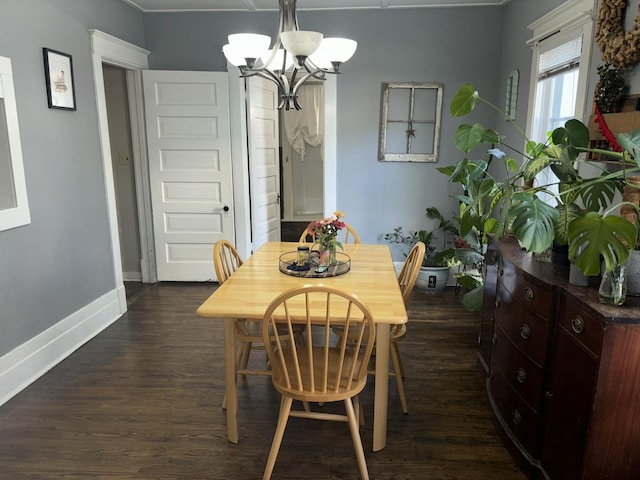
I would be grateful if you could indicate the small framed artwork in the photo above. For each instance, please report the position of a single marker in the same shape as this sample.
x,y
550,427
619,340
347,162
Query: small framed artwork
x,y
58,73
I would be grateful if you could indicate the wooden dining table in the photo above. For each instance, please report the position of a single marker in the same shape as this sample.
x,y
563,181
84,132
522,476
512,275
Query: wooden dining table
x,y
250,290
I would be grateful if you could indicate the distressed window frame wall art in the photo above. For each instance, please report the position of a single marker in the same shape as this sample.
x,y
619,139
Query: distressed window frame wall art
x,y
410,117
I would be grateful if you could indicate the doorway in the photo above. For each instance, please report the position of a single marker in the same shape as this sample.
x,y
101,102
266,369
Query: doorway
x,y
302,162
117,102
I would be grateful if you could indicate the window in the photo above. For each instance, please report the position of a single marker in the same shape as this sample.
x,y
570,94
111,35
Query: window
x,y
559,73
410,122
14,208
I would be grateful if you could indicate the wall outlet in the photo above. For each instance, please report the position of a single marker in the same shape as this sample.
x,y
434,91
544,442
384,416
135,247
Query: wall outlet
x,y
124,158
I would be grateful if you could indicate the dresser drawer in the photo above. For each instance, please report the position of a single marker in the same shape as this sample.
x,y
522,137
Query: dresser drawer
x,y
534,296
526,329
521,419
582,324
524,376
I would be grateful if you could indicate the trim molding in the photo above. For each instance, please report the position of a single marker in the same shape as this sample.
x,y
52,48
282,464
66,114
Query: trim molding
x,y
106,48
29,361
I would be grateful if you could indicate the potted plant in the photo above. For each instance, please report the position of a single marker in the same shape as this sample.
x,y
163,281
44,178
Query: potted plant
x,y
511,205
436,263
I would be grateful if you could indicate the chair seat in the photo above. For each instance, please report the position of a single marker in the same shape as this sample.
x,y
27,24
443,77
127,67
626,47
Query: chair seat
x,y
347,387
251,330
398,332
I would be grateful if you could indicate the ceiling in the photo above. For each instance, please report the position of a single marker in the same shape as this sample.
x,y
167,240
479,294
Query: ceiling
x,y
267,5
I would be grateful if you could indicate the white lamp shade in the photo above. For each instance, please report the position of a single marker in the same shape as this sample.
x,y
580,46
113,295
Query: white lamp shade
x,y
232,57
249,45
301,42
276,61
333,50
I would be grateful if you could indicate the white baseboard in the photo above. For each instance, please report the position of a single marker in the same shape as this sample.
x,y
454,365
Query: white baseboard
x,y
132,276
29,361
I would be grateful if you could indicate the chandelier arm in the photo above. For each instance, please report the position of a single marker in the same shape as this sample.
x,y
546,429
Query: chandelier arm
x,y
319,74
300,82
277,79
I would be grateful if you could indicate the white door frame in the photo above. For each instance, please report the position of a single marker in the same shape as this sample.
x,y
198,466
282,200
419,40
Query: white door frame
x,y
239,154
111,50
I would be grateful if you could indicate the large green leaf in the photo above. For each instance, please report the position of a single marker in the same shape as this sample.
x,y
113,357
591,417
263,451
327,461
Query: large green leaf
x,y
469,136
491,136
535,165
574,133
630,141
472,300
533,222
599,195
468,256
464,101
564,167
569,191
592,236
567,213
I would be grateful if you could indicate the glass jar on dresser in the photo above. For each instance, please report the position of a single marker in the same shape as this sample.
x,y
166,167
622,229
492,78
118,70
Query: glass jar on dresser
x,y
564,372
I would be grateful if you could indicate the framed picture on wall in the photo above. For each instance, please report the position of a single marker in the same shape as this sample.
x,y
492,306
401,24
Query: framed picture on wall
x,y
58,73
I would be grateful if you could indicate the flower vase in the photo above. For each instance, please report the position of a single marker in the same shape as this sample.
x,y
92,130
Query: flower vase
x,y
613,287
327,255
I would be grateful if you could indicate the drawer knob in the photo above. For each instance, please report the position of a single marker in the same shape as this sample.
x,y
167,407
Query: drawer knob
x,y
521,375
525,331
528,294
577,324
516,418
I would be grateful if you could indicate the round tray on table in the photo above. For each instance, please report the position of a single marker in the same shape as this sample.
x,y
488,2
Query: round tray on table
x,y
312,269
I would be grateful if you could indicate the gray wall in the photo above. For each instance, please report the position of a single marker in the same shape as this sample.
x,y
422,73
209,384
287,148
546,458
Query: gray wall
x,y
450,46
516,54
61,261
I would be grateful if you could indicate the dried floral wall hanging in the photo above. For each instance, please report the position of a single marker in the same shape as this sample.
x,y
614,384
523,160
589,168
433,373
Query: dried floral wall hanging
x,y
617,47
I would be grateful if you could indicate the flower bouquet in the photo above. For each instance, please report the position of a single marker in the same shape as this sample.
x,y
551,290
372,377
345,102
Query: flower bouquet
x,y
325,234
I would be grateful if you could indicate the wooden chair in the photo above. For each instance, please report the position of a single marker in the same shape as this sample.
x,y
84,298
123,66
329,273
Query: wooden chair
x,y
226,261
350,236
315,370
406,280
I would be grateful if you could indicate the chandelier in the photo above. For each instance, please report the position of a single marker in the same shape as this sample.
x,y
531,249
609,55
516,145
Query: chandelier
x,y
296,56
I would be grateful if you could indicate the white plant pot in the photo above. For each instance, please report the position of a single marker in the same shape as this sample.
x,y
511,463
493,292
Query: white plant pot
x,y
632,269
432,279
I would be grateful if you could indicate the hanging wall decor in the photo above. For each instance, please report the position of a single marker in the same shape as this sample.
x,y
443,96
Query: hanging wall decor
x,y
410,122
617,47
58,72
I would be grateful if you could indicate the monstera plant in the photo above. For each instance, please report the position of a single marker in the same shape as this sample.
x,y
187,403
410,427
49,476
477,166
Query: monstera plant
x,y
510,202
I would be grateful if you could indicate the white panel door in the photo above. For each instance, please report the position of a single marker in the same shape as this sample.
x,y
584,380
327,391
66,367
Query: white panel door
x,y
264,161
187,121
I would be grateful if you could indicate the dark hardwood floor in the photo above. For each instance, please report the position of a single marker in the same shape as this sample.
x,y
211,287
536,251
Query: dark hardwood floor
x,y
143,401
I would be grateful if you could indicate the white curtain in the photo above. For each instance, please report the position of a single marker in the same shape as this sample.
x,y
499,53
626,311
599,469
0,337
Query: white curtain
x,y
306,125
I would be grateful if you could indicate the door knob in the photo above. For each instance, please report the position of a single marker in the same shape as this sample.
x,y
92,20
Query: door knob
x,y
226,208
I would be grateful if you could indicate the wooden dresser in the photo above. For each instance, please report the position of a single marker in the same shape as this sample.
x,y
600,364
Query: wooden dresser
x,y
563,370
